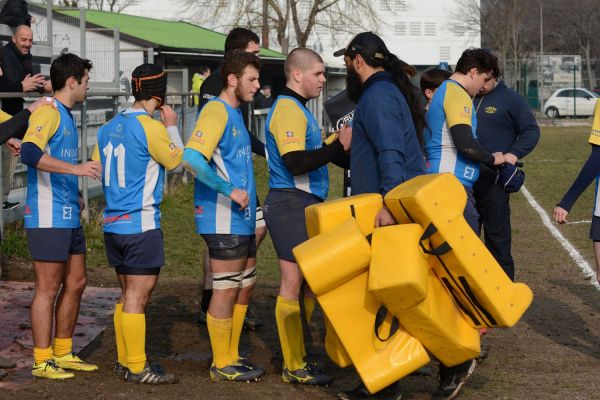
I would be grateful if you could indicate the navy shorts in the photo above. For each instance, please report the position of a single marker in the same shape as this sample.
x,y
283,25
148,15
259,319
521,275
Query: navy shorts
x,y
230,247
595,229
55,244
471,215
137,253
284,215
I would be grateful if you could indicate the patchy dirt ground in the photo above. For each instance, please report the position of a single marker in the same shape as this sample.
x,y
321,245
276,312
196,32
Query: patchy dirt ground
x,y
553,352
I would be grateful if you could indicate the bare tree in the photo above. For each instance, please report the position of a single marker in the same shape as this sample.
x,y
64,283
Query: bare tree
x,y
106,5
289,21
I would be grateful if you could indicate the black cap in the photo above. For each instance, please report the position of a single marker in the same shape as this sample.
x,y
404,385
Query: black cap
x,y
367,44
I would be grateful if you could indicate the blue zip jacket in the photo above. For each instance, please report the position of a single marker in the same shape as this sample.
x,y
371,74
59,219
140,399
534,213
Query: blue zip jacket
x,y
385,149
505,122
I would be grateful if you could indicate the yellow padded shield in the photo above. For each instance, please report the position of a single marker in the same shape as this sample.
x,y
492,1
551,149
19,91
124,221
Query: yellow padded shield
x,y
333,257
325,216
351,309
481,289
334,347
398,271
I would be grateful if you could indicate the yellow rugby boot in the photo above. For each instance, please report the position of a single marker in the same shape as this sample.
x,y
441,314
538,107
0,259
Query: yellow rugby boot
x,y
73,362
49,370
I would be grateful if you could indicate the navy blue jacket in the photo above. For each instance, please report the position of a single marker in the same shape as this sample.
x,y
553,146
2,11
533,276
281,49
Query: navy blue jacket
x,y
385,150
505,122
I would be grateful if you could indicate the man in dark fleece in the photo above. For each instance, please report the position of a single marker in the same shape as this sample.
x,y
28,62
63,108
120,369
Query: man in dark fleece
x,y
505,124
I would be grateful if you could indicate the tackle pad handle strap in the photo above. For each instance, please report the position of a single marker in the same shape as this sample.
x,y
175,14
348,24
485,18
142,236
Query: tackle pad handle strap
x,y
438,251
380,318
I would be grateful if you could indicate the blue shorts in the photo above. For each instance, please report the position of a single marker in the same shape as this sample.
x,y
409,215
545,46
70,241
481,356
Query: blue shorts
x,y
230,247
135,254
55,244
284,215
595,229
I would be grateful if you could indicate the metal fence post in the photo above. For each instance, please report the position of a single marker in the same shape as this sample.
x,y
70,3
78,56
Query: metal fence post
x,y
117,56
1,211
85,214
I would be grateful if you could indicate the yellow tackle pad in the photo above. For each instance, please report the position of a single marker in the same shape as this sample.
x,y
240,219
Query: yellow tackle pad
x,y
334,347
351,310
481,289
398,272
334,256
325,216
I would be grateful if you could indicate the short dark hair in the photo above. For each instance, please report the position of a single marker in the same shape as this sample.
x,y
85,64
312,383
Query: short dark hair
x,y
238,39
235,62
203,69
433,78
65,66
482,59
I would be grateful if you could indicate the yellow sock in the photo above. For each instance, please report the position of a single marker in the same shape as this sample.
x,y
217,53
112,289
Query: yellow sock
x,y
309,307
134,335
219,331
120,340
289,327
62,347
41,355
237,323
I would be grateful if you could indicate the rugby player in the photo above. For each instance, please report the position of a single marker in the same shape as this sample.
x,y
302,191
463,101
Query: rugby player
x,y
219,155
134,150
297,160
451,146
246,40
54,235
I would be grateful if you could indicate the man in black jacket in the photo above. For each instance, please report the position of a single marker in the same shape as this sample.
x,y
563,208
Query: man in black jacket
x,y
17,76
505,124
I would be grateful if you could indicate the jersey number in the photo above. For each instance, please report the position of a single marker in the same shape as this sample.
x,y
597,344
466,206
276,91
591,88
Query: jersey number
x,y
119,153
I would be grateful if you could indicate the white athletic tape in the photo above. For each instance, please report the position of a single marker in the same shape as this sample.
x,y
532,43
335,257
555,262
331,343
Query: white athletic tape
x,y
226,280
581,262
249,277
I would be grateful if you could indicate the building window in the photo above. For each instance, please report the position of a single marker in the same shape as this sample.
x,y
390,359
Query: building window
x,y
400,6
458,29
430,29
400,28
384,5
444,53
415,29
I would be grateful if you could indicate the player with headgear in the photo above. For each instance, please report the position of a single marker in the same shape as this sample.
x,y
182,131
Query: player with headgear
x,y
135,150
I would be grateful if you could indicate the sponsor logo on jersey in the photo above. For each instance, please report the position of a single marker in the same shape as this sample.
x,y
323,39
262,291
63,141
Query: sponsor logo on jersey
x,y
235,132
199,210
290,138
116,218
27,210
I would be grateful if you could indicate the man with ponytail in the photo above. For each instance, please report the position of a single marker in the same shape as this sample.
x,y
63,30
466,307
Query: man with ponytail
x,y
134,150
388,119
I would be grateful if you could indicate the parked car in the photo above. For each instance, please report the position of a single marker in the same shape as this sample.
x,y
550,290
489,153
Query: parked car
x,y
560,104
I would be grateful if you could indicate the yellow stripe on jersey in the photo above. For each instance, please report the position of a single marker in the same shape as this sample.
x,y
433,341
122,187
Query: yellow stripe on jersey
x,y
209,129
43,124
160,146
595,133
458,106
96,154
4,116
288,126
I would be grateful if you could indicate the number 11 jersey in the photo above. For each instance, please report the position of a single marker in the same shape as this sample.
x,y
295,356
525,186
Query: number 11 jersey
x,y
134,151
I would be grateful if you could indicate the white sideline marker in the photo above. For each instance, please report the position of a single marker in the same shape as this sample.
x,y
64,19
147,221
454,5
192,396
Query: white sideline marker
x,y
579,222
585,267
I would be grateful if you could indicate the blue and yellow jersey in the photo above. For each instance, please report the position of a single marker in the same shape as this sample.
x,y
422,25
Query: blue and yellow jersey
x,y
53,199
595,139
4,116
134,151
451,105
291,127
221,137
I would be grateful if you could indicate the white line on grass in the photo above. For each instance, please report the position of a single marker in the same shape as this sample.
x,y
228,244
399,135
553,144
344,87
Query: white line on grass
x,y
579,222
585,267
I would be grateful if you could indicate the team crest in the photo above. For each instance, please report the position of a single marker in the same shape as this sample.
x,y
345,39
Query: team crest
x,y
289,134
199,134
172,146
490,110
119,128
467,110
39,128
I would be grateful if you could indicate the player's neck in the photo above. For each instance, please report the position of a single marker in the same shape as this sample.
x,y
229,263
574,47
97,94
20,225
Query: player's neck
x,y
229,97
148,106
65,98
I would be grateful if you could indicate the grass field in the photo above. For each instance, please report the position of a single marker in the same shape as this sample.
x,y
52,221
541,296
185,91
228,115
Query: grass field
x,y
552,353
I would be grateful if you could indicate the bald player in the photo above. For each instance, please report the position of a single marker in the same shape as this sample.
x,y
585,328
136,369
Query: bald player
x,y
297,160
